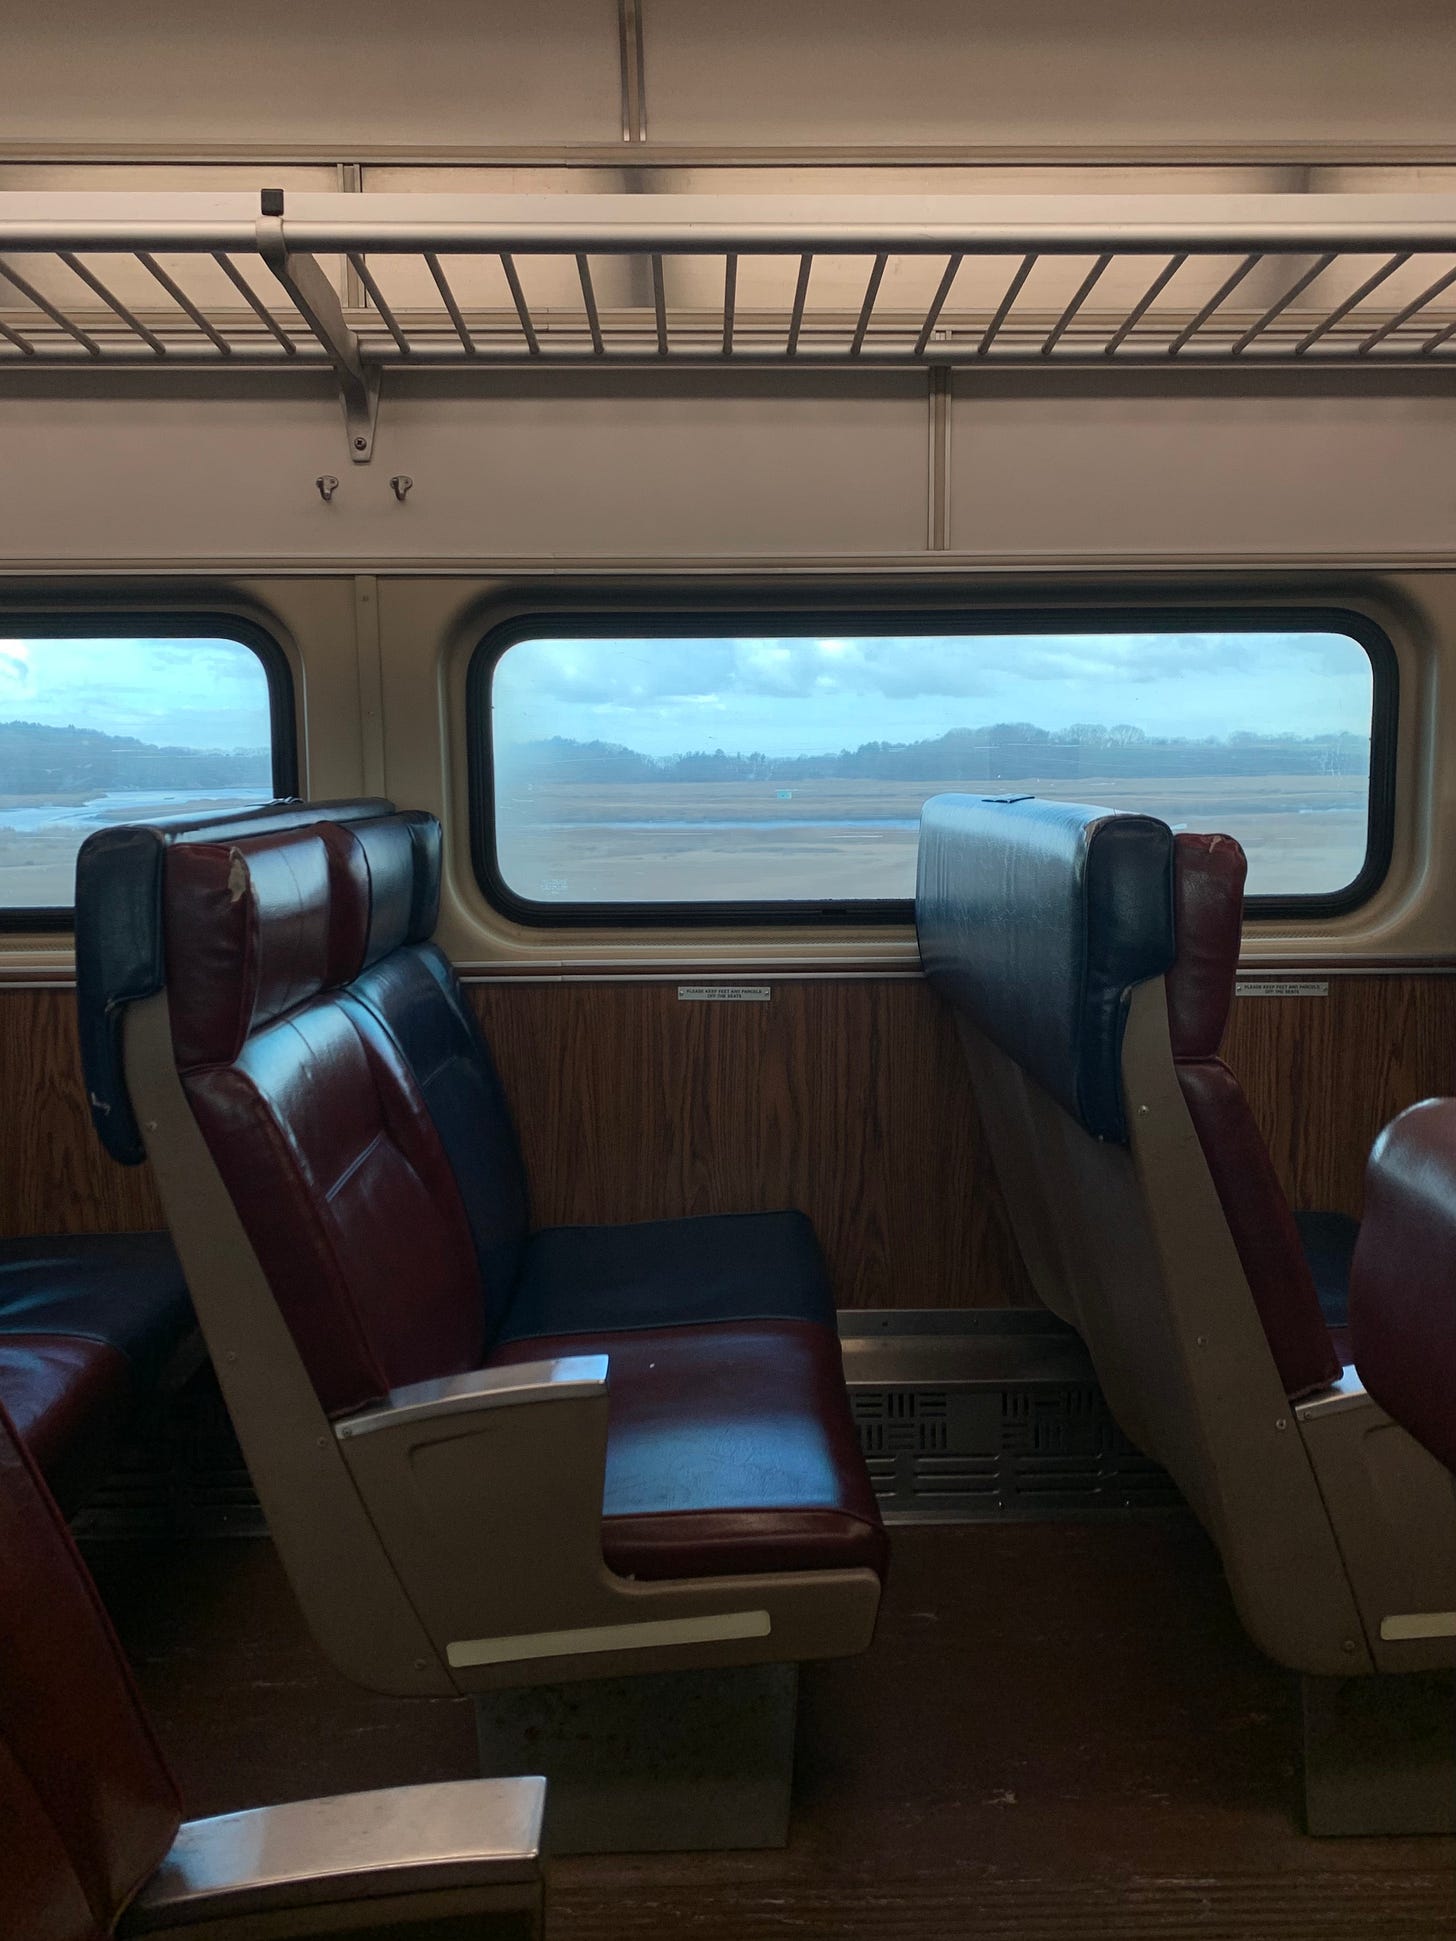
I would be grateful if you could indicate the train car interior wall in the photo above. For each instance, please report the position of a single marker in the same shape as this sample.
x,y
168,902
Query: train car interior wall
x,y
728,971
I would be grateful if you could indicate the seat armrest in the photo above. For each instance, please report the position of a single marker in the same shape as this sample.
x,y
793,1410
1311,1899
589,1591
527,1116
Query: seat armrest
x,y
479,1390
481,1834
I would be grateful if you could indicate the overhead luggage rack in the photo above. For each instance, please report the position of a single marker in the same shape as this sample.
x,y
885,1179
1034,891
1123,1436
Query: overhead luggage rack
x,y
365,283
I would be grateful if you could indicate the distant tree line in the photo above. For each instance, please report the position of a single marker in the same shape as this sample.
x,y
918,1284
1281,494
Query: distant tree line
x,y
40,760
1007,751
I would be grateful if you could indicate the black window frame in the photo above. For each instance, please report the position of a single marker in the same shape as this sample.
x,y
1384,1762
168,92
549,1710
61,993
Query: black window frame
x,y
716,622
282,714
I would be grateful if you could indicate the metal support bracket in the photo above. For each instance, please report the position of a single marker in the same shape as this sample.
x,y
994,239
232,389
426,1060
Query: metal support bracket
x,y
317,302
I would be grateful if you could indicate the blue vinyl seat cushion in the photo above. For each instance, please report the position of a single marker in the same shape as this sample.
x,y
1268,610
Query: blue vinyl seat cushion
x,y
669,1273
123,1289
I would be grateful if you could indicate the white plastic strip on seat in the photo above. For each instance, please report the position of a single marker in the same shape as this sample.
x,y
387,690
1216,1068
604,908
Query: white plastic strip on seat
x,y
608,1637
1411,1625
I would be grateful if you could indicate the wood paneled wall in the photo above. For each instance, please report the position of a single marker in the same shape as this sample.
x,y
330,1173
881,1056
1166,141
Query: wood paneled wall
x,y
1324,1074
54,1175
844,1097
847,1099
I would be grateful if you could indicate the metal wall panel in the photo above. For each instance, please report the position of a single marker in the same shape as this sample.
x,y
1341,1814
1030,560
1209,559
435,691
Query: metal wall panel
x,y
573,467
1138,470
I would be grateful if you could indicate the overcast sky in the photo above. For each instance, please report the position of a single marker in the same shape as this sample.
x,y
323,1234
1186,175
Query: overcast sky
x,y
180,693
811,695
781,696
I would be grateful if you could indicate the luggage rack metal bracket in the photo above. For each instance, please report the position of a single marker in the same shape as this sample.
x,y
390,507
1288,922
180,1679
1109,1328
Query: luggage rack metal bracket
x,y
315,299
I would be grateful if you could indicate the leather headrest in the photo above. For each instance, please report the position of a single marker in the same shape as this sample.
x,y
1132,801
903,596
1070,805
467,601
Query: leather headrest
x,y
249,935
1036,921
1208,913
119,950
386,885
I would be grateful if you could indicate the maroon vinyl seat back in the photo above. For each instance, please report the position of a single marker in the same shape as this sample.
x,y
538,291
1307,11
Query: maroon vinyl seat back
x,y
88,1808
1403,1283
310,1112
1208,896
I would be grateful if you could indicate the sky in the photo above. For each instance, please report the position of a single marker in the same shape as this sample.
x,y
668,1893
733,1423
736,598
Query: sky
x,y
788,695
779,695
202,693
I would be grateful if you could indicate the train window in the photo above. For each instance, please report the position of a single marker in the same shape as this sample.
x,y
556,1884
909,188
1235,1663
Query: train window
x,y
776,768
101,725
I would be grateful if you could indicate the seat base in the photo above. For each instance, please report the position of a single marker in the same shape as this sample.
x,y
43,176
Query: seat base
x,y
676,1762
1380,1753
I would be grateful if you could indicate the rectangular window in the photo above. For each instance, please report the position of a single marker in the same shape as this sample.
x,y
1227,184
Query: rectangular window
x,y
100,726
778,769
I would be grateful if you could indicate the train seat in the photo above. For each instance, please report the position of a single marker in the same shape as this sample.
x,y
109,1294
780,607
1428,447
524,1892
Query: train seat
x,y
1207,912
1328,1240
70,1398
123,1289
92,1840
730,1450
305,1071
89,1324
1089,958
560,1280
1403,1285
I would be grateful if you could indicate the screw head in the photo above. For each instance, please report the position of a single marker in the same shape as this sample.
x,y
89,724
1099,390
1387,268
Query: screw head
x,y
361,444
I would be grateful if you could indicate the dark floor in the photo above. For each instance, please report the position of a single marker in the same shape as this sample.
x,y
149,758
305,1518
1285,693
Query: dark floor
x,y
1060,1731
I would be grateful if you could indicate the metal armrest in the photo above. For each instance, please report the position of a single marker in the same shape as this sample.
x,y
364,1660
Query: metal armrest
x,y
354,1847
479,1389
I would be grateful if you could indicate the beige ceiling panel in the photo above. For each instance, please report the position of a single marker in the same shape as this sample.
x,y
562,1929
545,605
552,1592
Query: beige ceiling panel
x,y
1048,73
470,73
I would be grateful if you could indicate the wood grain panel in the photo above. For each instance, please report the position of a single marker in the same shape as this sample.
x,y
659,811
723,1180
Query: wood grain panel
x,y
54,1175
1323,1075
847,1099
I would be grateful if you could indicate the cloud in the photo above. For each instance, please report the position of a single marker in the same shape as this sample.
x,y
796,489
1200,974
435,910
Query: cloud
x,y
631,673
14,667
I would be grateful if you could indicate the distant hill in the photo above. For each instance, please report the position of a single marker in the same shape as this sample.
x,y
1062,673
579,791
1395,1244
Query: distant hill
x,y
1007,751
39,760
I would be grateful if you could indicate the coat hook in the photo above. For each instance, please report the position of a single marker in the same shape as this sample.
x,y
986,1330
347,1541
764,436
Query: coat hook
x,y
327,485
400,484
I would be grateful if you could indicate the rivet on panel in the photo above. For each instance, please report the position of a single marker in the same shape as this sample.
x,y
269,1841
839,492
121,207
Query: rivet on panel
x,y
1281,1423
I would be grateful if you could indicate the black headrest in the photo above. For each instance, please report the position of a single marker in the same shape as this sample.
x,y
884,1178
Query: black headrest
x,y
1036,920
386,883
119,955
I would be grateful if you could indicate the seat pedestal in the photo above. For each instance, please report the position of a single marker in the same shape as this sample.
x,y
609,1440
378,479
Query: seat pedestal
x,y
678,1762
1380,1753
